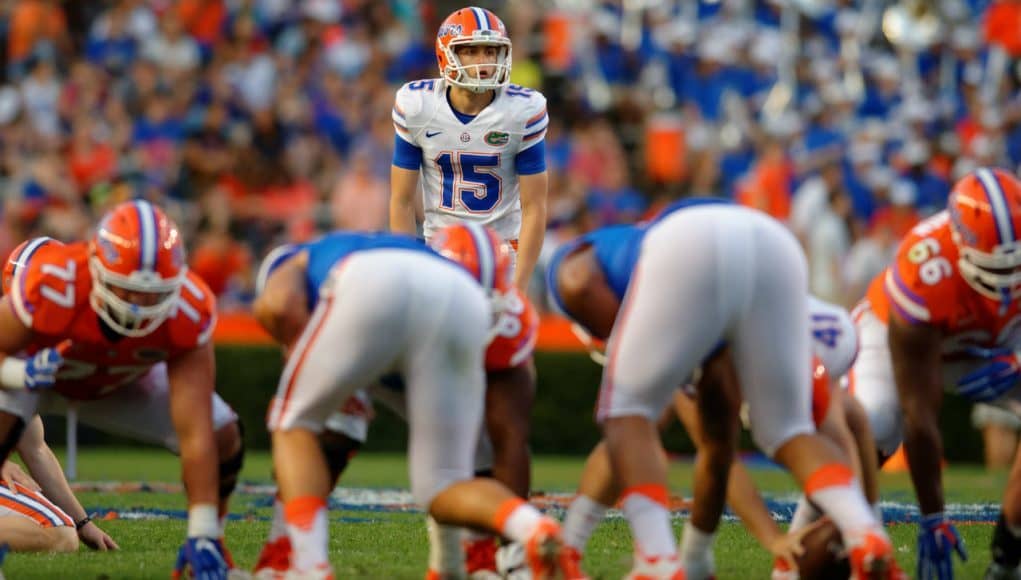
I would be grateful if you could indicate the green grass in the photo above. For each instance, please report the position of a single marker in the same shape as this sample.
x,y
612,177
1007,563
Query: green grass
x,y
393,545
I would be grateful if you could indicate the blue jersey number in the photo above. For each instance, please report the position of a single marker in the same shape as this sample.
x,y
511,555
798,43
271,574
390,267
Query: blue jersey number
x,y
825,329
518,91
473,178
420,85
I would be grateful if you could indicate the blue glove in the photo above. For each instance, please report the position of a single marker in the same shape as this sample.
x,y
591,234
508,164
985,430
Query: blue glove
x,y
205,557
937,540
1000,374
41,369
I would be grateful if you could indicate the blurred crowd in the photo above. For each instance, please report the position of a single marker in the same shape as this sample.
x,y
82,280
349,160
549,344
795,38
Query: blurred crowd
x,y
254,121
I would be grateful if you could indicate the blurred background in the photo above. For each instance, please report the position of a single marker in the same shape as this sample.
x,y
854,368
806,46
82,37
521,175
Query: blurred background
x,y
258,121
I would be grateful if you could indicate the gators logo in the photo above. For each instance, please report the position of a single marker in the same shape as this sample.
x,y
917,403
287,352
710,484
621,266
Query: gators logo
x,y
497,138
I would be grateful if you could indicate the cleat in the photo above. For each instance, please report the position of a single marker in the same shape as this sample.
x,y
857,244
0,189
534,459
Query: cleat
x,y
543,550
657,568
320,572
480,558
998,572
571,564
872,559
274,560
783,571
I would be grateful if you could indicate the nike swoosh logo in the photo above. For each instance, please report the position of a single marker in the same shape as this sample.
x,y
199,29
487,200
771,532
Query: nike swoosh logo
x,y
429,135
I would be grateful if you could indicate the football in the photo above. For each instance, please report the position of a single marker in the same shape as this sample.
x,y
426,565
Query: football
x,y
824,556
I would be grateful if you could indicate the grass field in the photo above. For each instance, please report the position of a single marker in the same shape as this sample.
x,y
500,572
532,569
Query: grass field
x,y
371,542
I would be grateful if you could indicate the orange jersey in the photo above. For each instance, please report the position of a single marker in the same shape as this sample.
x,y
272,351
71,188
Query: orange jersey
x,y
924,286
49,293
517,329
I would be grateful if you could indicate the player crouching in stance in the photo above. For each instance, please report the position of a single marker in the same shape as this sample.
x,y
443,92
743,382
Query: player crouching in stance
x,y
122,327
395,307
944,315
41,513
740,281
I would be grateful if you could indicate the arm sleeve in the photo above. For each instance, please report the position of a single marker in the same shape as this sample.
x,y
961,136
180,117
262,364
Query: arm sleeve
x,y
530,161
406,155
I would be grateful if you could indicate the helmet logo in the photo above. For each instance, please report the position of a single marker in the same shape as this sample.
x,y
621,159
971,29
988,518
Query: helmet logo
x,y
110,253
962,230
450,30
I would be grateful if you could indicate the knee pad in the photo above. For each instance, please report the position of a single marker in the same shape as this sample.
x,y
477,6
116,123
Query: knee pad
x,y
338,449
231,467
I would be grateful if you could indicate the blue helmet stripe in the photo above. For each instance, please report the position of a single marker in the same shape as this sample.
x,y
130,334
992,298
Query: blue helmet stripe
x,y
147,237
998,203
480,18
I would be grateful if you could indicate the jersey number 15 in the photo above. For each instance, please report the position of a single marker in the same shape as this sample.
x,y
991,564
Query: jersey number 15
x,y
471,177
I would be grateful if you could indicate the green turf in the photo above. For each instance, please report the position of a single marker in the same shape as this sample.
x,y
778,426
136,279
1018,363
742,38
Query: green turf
x,y
393,545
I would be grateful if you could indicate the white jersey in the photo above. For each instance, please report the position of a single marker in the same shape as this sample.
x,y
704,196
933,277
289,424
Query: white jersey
x,y
468,169
834,338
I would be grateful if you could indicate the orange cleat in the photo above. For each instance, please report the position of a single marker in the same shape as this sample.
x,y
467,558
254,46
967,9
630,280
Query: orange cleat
x,y
480,558
544,550
656,568
571,564
274,560
872,558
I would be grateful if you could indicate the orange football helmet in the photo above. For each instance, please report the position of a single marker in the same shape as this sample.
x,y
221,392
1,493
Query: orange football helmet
x,y
480,251
19,257
985,218
473,26
136,259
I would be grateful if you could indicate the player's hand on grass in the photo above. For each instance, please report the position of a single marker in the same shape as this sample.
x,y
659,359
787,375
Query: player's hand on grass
x,y
788,547
96,539
937,541
12,473
204,558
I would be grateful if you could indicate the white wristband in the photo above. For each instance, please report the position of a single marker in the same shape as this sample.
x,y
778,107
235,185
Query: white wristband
x,y
203,521
12,372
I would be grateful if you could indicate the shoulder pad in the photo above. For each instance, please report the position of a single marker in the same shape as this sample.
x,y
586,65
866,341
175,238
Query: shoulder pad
x,y
192,322
49,282
530,116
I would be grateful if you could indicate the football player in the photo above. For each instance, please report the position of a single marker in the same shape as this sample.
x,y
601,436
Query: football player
x,y
708,274
120,326
283,311
390,305
477,141
945,314
41,513
599,264
476,144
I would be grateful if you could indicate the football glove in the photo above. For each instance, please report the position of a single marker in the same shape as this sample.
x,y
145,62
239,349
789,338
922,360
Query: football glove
x,y
937,541
41,369
204,557
1000,374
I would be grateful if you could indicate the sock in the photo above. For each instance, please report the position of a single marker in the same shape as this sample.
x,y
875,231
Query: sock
x,y
516,519
1006,547
645,507
445,553
696,551
278,527
583,515
804,514
833,488
308,528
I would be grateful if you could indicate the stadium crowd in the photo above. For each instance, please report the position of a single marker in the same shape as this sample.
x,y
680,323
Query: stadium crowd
x,y
258,120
